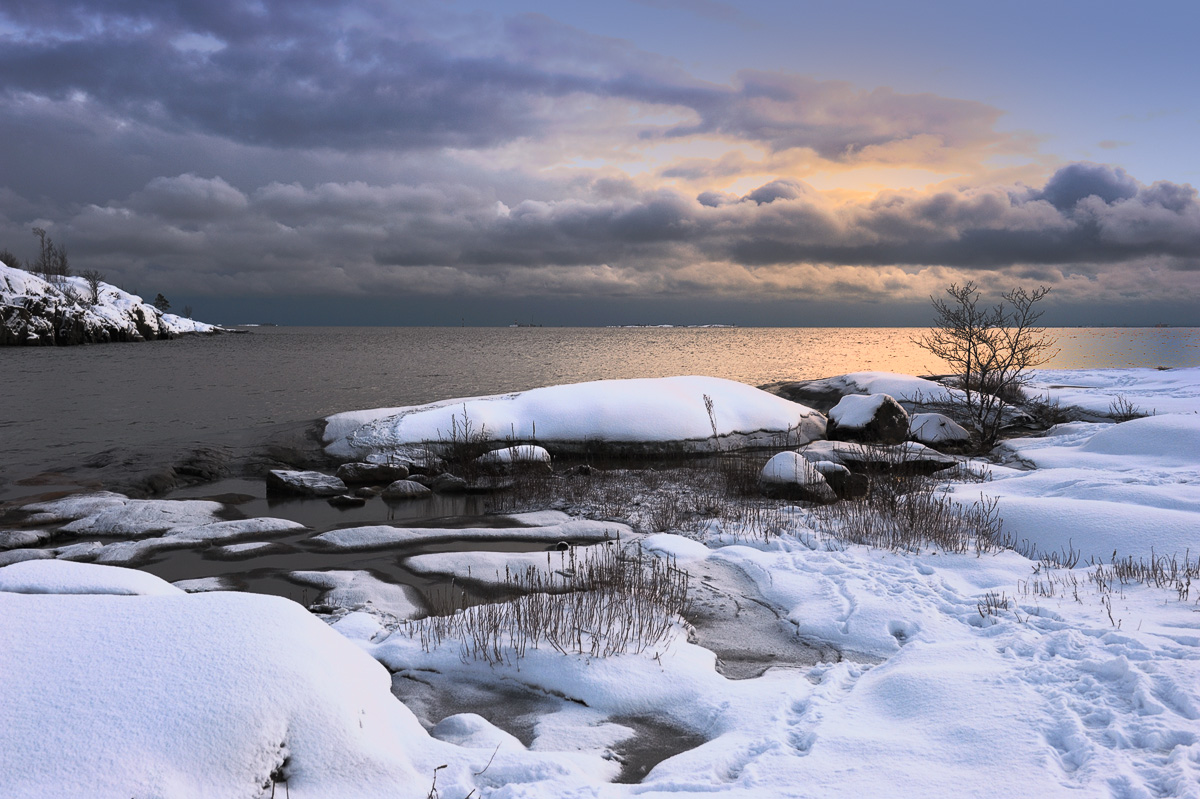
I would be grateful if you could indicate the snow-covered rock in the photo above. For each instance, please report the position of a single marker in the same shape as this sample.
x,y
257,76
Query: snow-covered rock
x,y
647,414
793,476
310,484
524,454
406,489
355,590
34,311
936,428
909,456
874,418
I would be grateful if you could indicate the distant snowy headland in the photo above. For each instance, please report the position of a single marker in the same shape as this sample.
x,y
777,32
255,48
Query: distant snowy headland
x,y
37,312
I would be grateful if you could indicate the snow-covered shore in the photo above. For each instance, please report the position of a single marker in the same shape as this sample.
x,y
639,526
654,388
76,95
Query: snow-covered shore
x,y
36,312
992,674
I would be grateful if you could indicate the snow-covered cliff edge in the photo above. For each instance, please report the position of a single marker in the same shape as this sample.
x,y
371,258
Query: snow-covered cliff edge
x,y
36,312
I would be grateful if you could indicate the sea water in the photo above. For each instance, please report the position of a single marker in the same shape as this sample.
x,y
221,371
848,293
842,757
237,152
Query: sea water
x,y
62,406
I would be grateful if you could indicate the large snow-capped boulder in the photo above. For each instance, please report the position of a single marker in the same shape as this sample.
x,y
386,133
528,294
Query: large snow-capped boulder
x,y
789,475
644,415
872,418
34,311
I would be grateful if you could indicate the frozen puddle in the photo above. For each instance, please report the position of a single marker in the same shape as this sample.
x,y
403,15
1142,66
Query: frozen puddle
x,y
747,635
520,712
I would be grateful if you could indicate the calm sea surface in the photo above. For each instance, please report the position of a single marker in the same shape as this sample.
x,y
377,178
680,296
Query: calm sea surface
x,y
62,405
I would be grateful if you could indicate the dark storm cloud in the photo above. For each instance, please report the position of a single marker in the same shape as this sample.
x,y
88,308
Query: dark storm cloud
x,y
1077,181
361,76
357,237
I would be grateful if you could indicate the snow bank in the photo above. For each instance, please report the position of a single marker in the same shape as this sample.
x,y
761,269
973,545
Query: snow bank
x,y
651,411
1097,488
66,577
198,695
1094,390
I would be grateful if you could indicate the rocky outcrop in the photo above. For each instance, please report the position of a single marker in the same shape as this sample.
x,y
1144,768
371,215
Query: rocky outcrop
x,y
34,312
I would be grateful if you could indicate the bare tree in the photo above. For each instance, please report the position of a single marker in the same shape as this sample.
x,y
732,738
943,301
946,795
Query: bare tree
x,y
8,259
187,311
990,349
52,263
42,265
94,279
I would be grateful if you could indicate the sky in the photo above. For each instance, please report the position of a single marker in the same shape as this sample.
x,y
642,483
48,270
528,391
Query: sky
x,y
626,162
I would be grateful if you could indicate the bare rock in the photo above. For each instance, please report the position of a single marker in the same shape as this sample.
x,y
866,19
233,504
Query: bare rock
x,y
372,473
310,484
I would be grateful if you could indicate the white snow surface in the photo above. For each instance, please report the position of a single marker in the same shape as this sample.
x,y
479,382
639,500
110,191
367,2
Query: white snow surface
x,y
377,536
637,411
1129,488
904,388
354,590
199,695
66,577
492,568
1151,390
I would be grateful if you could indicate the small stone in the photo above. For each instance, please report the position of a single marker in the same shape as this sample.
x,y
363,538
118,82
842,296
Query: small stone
x,y
347,501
